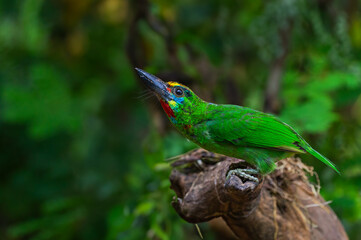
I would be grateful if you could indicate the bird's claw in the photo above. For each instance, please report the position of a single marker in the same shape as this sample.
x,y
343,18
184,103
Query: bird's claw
x,y
243,173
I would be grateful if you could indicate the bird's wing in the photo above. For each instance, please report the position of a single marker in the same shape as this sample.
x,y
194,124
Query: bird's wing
x,y
254,129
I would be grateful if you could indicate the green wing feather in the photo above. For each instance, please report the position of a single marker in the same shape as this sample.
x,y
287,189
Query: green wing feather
x,y
249,128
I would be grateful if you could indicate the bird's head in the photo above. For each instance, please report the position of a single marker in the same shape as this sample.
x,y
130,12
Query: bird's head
x,y
176,99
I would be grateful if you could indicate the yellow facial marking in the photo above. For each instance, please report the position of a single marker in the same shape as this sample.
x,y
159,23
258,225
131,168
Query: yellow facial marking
x,y
172,103
172,84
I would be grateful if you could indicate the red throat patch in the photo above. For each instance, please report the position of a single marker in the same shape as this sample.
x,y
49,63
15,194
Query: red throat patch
x,y
167,109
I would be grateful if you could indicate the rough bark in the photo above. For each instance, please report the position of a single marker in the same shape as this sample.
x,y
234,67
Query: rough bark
x,y
284,205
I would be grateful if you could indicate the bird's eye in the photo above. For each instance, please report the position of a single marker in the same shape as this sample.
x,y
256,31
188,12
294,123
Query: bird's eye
x,y
178,92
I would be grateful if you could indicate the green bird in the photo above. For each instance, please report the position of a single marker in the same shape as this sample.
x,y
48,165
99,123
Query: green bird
x,y
259,138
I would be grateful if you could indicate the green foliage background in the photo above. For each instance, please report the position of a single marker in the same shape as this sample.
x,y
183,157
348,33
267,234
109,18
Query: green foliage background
x,y
81,153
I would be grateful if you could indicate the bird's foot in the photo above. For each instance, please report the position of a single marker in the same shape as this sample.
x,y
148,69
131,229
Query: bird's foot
x,y
244,173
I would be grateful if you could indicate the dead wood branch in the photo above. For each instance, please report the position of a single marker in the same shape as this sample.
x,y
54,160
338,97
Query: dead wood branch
x,y
284,205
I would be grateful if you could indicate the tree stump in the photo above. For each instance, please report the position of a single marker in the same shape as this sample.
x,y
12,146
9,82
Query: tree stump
x,y
283,205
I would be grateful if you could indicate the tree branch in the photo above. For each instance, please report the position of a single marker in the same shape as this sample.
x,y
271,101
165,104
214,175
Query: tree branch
x,y
284,205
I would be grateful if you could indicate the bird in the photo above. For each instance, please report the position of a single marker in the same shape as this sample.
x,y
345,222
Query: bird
x,y
261,139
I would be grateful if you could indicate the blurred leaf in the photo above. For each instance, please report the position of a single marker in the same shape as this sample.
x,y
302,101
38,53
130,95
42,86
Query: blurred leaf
x,y
159,232
144,208
32,33
153,149
313,116
46,103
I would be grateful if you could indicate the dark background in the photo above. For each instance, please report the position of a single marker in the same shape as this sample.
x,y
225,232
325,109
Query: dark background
x,y
81,154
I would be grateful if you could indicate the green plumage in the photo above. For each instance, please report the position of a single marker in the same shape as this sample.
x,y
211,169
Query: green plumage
x,y
259,138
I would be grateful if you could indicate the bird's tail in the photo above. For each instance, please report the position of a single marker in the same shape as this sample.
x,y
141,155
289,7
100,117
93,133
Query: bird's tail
x,y
322,158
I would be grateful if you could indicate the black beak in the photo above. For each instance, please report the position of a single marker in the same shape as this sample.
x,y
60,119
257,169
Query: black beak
x,y
155,84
